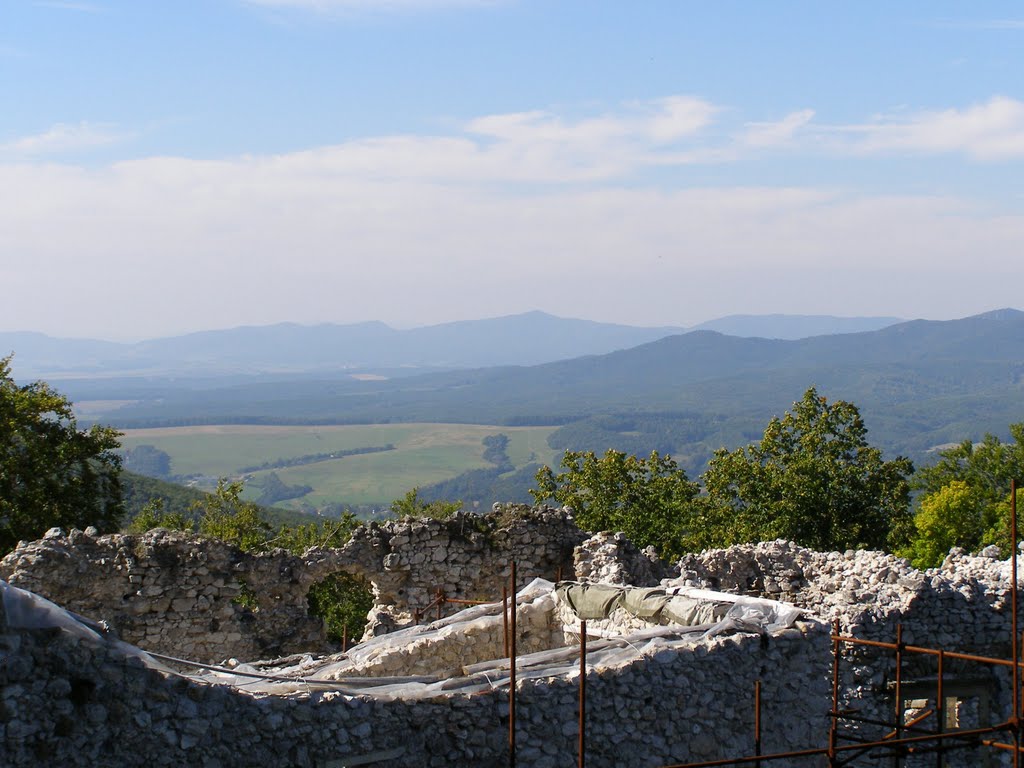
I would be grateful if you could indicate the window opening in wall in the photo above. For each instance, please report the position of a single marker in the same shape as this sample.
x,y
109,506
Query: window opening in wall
x,y
342,600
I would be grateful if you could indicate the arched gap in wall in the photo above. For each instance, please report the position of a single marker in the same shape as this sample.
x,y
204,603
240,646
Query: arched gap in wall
x,y
342,600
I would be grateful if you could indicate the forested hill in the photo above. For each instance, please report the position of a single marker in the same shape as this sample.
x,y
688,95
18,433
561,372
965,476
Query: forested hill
x,y
919,384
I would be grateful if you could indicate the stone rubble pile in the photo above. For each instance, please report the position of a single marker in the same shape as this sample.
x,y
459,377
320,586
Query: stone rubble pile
x,y
966,600
611,558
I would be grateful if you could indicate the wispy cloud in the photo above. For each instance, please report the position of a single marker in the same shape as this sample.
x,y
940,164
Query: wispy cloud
x,y
993,130
69,6
981,24
342,6
64,138
775,134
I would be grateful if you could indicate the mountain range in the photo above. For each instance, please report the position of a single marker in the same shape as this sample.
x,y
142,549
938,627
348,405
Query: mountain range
x,y
374,348
919,384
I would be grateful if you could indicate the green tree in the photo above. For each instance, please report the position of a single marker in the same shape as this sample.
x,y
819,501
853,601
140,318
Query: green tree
x,y
154,514
965,498
411,505
224,515
953,516
814,479
51,472
987,467
651,499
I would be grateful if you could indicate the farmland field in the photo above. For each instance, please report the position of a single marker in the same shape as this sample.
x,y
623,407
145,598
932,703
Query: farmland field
x,y
423,454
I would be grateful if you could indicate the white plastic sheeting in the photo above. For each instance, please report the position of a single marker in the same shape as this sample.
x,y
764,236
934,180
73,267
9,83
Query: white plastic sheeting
x,y
341,672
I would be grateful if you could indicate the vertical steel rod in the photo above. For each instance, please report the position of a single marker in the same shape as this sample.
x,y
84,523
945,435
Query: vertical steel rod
x,y
512,675
583,694
833,731
897,759
757,721
504,620
1013,621
940,706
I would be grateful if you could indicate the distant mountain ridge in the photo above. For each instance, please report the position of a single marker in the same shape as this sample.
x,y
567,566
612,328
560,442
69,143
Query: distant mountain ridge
x,y
530,338
924,382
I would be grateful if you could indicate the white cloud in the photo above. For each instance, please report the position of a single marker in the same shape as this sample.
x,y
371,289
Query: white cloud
x,y
509,212
63,138
69,6
330,6
779,133
993,130
169,244
1012,24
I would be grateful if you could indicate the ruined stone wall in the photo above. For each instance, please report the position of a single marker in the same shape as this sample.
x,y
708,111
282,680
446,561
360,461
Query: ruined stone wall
x,y
72,702
200,599
962,606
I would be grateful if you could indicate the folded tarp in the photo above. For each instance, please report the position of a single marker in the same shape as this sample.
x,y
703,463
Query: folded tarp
x,y
589,601
688,611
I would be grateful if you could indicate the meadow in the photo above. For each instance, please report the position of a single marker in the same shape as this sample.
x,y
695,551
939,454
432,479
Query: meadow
x,y
423,454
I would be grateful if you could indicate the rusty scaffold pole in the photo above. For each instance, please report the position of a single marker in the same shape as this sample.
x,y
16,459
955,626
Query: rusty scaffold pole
x,y
1014,638
940,707
512,674
583,695
833,731
897,760
757,721
504,620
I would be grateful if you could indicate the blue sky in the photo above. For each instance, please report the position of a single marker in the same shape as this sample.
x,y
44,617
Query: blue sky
x,y
167,167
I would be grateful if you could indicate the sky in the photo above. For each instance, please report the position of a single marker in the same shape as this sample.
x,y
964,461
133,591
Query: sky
x,y
172,167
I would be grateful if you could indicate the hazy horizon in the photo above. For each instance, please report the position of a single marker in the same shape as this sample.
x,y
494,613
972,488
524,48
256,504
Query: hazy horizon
x,y
135,339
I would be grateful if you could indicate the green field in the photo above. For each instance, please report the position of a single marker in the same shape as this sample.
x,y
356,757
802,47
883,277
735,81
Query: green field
x,y
424,454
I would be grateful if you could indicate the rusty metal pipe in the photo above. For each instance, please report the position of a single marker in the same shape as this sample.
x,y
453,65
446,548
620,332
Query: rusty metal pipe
x,y
512,674
940,706
1014,594
504,620
757,721
833,730
906,740
583,694
897,762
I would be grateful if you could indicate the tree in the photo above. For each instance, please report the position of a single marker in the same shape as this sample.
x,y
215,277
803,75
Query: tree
x,y
814,479
51,472
148,460
649,499
411,505
224,515
953,516
986,467
965,499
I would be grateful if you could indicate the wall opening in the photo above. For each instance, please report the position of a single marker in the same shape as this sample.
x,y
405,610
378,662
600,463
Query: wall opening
x,y
342,600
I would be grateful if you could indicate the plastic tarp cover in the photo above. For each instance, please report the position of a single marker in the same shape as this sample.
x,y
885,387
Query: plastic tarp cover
x,y
590,601
27,610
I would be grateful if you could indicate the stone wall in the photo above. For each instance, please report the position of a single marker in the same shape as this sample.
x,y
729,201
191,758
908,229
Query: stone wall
x,y
66,700
182,595
964,606
200,599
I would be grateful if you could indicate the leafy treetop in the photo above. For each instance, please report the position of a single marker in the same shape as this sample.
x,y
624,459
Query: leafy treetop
x,y
51,472
649,499
965,499
813,478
